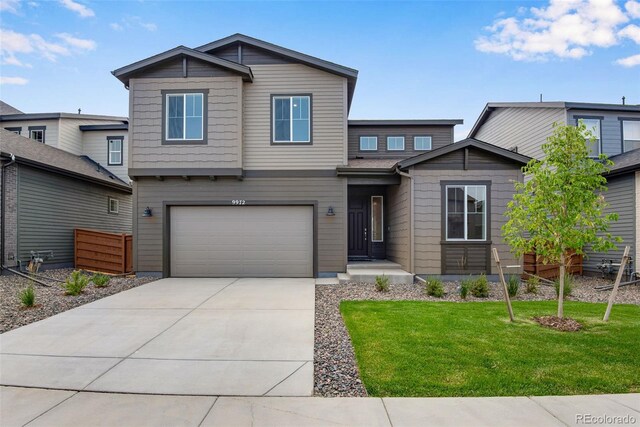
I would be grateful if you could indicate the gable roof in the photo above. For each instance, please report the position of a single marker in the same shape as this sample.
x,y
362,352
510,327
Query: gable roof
x,y
490,106
8,109
625,162
465,143
44,156
124,73
321,64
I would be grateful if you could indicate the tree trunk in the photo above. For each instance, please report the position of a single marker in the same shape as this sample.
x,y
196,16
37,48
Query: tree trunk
x,y
561,286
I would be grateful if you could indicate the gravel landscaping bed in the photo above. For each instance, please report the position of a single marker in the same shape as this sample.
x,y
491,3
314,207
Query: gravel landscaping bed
x,y
50,301
335,369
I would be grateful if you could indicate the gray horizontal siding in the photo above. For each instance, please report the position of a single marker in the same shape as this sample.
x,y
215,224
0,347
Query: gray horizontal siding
x,y
51,206
150,192
441,136
621,198
610,127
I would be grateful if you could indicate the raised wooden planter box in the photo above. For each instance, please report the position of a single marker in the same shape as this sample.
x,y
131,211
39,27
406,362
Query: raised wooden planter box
x,y
533,264
105,252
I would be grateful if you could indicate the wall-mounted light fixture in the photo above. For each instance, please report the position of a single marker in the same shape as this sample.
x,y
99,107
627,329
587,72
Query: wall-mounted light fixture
x,y
147,212
330,211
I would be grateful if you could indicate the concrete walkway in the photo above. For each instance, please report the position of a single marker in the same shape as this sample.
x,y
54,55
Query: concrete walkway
x,y
233,337
38,407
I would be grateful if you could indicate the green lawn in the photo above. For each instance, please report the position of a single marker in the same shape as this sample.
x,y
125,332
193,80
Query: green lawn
x,y
412,348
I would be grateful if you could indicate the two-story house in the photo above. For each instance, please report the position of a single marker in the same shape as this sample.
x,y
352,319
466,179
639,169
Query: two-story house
x,y
524,126
244,163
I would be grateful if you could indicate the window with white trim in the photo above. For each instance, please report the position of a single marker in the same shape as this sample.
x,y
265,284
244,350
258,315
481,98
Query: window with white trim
x,y
368,143
593,126
630,135
184,117
37,134
395,143
115,151
114,205
422,143
291,118
466,212
377,219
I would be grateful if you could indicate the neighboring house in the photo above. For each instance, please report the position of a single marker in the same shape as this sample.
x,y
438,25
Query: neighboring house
x,y
104,139
524,126
46,193
244,163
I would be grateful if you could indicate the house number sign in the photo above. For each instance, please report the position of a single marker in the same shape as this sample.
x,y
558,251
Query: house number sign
x,y
238,202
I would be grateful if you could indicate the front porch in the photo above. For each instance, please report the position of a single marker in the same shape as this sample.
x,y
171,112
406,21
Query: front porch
x,y
367,271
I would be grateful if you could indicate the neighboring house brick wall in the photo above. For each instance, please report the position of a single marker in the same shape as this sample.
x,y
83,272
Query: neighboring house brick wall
x,y
224,121
10,195
440,136
620,196
51,206
95,147
148,238
525,128
329,118
399,223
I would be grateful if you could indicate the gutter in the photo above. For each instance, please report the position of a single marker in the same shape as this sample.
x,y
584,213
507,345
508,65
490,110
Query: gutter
x,y
3,208
411,219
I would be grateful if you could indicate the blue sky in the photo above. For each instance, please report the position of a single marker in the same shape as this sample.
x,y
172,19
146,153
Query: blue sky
x,y
424,59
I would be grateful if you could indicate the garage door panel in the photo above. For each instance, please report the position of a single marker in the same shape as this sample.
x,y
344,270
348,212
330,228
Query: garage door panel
x,y
243,241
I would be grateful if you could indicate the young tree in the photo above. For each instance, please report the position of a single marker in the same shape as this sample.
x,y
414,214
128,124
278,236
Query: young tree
x,y
560,206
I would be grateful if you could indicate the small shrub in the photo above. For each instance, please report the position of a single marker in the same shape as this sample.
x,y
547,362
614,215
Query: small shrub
x,y
76,282
100,280
434,287
465,286
27,296
382,283
513,284
568,285
531,287
480,287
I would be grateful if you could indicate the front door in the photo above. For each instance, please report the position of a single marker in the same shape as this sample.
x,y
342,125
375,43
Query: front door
x,y
358,222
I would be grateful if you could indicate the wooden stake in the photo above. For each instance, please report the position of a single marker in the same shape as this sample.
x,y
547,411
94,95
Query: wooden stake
x,y
614,292
504,283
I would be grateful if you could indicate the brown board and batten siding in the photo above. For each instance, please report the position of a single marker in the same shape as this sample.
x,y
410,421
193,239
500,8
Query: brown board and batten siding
x,y
328,119
224,122
440,136
326,192
524,128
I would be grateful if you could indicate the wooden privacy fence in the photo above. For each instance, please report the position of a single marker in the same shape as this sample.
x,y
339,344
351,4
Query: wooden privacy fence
x,y
533,264
105,252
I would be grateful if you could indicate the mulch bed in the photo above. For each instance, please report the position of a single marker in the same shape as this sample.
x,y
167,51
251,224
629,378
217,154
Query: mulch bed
x,y
564,324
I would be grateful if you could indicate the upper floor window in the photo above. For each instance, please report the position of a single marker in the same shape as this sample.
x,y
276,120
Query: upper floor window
x,y
466,212
291,118
37,133
422,143
368,143
594,141
185,117
395,143
16,130
114,147
630,135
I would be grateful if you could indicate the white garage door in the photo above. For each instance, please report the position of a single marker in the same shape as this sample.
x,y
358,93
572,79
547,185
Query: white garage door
x,y
241,241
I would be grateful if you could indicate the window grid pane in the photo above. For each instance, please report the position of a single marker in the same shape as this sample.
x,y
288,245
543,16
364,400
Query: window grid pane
x,y
466,212
593,125
631,135
281,114
368,143
395,143
115,151
193,116
175,117
377,219
422,143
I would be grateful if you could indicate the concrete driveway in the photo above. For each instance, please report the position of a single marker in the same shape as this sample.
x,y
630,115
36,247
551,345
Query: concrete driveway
x,y
230,337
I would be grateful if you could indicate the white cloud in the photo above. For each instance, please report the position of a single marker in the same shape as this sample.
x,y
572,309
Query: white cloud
x,y
80,44
9,6
633,8
149,26
4,80
563,29
132,22
116,27
82,10
629,61
631,32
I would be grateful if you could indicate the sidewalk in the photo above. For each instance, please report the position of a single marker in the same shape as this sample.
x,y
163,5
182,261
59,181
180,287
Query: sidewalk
x,y
40,407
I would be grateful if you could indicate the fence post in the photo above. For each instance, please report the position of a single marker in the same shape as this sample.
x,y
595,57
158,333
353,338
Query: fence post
x,y
123,252
75,247
504,283
612,297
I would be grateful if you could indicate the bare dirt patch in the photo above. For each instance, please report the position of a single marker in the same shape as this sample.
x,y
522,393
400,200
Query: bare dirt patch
x,y
564,324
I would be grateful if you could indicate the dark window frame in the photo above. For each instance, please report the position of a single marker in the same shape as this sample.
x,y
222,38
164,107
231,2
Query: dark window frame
x,y
422,136
600,118
15,129
205,113
272,118
369,136
443,213
113,138
44,133
622,120
404,143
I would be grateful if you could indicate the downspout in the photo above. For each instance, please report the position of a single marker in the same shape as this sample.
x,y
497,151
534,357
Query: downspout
x,y
2,208
411,220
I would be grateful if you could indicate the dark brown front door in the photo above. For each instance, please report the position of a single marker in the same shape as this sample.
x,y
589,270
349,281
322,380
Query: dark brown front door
x,y
358,221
